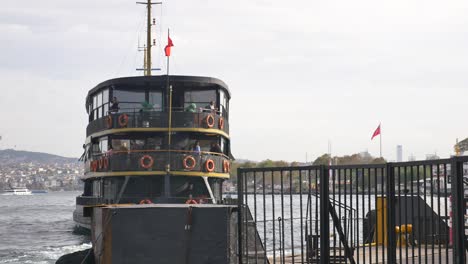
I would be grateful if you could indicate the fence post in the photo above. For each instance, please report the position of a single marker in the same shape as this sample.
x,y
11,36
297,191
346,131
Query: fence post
x,y
324,219
459,253
391,235
240,204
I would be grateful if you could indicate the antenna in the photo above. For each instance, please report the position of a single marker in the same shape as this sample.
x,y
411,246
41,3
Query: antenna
x,y
147,66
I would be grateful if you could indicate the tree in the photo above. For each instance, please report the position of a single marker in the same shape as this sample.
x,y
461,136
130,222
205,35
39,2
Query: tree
x,y
322,160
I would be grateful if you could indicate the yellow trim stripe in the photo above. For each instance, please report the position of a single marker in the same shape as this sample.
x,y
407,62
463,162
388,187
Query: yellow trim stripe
x,y
152,173
163,129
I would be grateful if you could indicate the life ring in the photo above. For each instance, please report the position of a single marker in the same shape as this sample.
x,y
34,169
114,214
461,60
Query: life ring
x,y
209,120
145,201
109,121
221,123
191,201
123,120
226,166
145,165
106,163
209,165
94,165
191,160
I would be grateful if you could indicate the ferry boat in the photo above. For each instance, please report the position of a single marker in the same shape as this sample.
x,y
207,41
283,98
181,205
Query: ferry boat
x,y
160,144
17,191
154,139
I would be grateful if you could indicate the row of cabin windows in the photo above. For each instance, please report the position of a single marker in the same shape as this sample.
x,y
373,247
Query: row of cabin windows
x,y
179,141
99,105
151,187
134,101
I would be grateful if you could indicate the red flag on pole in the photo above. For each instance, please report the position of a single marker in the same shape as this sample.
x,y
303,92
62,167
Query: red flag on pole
x,y
376,132
167,49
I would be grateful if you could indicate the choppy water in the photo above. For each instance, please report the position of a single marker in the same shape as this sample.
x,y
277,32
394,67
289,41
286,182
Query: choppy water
x,y
38,228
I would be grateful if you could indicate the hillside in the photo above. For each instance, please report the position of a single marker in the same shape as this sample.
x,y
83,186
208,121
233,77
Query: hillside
x,y
10,156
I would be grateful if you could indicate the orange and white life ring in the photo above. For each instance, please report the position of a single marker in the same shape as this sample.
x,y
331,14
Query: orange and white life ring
x,y
189,162
106,163
209,165
123,120
144,164
145,201
221,123
226,166
209,120
94,165
191,201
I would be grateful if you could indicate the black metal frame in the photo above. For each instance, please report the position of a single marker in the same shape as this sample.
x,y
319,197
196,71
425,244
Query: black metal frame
x,y
283,207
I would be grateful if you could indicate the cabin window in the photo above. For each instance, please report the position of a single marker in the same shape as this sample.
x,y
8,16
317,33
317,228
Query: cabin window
x,y
99,105
97,187
199,98
130,101
103,145
156,99
95,114
100,146
223,104
105,101
120,144
99,101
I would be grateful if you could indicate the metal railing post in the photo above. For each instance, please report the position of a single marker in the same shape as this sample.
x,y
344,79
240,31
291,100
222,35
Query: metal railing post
x,y
324,219
458,206
391,235
240,203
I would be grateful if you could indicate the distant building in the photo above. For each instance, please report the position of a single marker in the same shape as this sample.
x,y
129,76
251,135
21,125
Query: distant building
x,y
399,153
432,157
411,158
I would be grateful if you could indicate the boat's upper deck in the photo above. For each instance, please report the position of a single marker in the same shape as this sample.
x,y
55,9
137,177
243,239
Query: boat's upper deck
x,y
142,103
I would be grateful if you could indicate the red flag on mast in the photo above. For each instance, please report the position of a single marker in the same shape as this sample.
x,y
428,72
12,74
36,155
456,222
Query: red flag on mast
x,y
376,132
167,49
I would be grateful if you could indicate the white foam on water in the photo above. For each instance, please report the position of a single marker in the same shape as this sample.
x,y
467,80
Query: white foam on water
x,y
48,255
13,260
56,253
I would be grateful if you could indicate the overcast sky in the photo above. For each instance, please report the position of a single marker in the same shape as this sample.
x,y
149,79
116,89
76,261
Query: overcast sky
x,y
301,72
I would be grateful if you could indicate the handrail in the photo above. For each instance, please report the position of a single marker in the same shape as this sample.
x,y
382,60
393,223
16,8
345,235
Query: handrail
x,y
158,110
160,150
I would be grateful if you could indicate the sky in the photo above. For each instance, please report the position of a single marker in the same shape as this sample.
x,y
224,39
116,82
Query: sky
x,y
301,73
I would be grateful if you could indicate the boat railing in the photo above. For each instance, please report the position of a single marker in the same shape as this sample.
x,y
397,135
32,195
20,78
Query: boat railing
x,y
157,160
155,118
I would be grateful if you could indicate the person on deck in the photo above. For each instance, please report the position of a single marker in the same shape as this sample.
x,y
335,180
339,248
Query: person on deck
x,y
211,107
192,108
145,109
189,119
197,148
114,108
215,148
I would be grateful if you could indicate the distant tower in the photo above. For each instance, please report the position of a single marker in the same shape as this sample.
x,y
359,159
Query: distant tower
x,y
399,153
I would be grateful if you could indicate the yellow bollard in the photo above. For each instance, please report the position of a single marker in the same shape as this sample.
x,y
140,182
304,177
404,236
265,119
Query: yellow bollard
x,y
404,233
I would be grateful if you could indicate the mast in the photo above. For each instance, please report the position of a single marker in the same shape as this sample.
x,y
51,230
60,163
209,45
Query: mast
x,y
147,66
148,40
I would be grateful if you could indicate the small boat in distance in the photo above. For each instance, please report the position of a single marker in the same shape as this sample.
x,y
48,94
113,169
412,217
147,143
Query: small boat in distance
x,y
17,191
39,191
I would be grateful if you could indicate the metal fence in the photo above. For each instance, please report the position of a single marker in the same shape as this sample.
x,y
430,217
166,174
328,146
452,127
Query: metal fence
x,y
409,212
